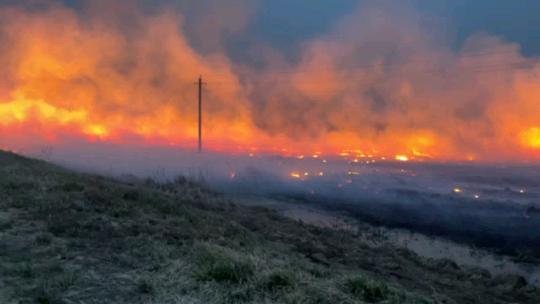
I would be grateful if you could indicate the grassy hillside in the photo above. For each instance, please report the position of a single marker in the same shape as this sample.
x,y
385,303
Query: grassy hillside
x,y
67,237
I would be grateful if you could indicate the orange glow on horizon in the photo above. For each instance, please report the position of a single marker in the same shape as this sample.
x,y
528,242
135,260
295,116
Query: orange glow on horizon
x,y
96,130
402,158
94,82
531,138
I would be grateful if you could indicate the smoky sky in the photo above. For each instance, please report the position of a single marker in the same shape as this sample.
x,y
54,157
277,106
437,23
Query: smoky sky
x,y
286,24
451,78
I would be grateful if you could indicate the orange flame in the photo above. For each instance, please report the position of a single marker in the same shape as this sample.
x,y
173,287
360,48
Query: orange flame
x,y
89,78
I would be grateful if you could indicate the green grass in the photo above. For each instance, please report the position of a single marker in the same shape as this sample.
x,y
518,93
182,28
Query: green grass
x,y
279,280
147,286
219,264
79,238
25,270
368,290
44,239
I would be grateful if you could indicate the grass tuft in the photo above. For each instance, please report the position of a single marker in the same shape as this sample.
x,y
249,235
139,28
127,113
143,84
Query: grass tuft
x,y
216,263
25,270
146,285
131,195
44,239
72,187
279,280
368,290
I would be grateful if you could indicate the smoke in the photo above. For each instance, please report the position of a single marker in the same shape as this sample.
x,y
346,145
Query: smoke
x,y
493,206
112,78
391,85
383,80
108,86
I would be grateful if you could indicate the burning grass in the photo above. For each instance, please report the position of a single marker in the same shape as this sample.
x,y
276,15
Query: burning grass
x,y
68,237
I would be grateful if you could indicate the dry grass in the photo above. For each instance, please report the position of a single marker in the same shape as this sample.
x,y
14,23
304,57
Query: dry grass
x,y
75,238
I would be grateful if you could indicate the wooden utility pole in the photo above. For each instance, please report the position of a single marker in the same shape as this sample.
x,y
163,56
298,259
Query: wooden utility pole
x,y
200,86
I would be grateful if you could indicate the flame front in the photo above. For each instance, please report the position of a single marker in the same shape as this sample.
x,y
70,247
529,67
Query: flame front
x,y
71,75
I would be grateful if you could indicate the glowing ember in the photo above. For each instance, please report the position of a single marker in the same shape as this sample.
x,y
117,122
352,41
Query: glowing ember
x,y
402,158
421,154
296,175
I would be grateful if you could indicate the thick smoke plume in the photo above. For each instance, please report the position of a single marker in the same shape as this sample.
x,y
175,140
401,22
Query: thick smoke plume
x,y
381,81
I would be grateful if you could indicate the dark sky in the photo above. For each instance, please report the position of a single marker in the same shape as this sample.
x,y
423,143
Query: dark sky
x,y
514,20
285,24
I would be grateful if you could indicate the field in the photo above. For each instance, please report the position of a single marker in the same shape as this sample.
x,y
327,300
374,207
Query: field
x,y
68,237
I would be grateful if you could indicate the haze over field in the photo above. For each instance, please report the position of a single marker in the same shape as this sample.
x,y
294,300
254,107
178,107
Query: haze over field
x,y
257,151
392,79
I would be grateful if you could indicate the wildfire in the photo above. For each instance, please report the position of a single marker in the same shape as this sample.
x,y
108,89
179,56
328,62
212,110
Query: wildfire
x,y
96,130
421,154
531,138
21,109
70,73
402,158
296,175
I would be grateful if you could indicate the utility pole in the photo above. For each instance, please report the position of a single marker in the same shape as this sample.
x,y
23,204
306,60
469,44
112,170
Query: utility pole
x,y
200,84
